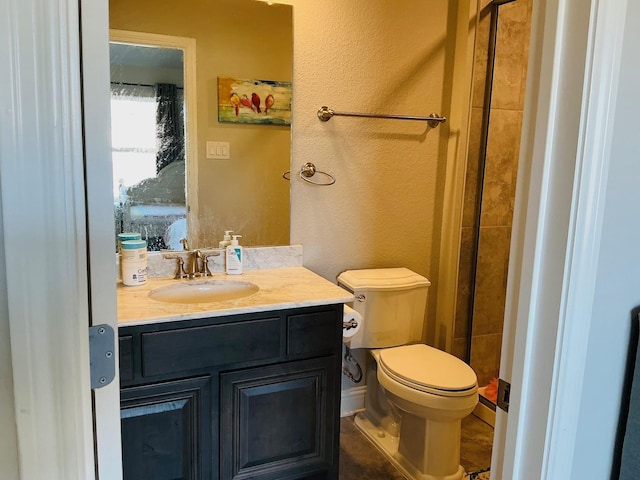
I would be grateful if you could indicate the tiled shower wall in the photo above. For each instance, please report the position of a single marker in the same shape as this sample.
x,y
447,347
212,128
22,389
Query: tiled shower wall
x,y
498,191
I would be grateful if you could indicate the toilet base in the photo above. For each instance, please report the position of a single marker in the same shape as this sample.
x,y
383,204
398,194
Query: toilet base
x,y
388,445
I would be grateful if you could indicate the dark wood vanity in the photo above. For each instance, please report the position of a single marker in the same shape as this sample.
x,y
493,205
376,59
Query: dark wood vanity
x,y
254,395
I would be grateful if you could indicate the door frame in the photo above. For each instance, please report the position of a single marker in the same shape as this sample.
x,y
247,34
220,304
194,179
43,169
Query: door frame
x,y
47,289
573,74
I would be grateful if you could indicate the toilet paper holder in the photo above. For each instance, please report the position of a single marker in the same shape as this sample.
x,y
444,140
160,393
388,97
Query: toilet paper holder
x,y
349,324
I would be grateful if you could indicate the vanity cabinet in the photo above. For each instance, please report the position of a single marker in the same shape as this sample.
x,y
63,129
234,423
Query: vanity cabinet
x,y
233,397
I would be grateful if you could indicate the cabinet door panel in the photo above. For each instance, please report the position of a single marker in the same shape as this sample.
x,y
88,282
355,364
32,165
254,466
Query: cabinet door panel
x,y
166,431
278,421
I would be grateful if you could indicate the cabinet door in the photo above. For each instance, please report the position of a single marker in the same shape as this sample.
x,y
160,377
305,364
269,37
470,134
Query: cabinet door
x,y
166,430
277,422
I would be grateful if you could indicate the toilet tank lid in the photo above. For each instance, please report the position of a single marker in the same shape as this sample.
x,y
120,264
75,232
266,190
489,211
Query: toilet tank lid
x,y
381,279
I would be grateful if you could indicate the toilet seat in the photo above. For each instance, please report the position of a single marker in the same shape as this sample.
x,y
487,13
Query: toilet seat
x,y
410,365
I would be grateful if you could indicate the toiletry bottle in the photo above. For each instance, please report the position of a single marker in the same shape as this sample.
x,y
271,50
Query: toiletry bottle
x,y
226,240
122,237
235,257
134,262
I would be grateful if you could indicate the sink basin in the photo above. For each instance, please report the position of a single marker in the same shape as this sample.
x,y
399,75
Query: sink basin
x,y
203,291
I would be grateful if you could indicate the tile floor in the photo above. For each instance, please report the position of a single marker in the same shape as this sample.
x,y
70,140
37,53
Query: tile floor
x,y
359,459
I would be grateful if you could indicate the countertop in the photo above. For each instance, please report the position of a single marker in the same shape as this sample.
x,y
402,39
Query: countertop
x,y
280,288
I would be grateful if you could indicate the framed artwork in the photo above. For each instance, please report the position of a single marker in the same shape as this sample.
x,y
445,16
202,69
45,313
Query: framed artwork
x,y
254,101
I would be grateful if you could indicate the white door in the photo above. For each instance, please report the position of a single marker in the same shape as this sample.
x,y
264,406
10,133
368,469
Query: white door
x,y
51,299
572,79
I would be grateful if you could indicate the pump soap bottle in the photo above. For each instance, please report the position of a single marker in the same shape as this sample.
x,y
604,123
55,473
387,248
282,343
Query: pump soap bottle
x,y
235,257
226,240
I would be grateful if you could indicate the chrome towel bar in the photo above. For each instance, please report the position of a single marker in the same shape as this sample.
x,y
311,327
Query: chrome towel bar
x,y
325,114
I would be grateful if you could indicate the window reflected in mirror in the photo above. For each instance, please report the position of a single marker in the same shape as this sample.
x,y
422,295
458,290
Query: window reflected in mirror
x,y
147,141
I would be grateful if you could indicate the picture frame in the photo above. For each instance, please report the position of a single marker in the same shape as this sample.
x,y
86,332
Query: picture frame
x,y
266,102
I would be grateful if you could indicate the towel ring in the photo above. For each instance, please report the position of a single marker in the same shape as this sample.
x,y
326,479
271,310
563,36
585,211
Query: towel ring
x,y
307,171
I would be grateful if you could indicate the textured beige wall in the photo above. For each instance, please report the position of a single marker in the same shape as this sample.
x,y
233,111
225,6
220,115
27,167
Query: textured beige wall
x,y
385,208
234,38
387,56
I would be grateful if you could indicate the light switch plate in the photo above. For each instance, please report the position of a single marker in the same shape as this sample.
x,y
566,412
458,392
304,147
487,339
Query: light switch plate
x,y
218,150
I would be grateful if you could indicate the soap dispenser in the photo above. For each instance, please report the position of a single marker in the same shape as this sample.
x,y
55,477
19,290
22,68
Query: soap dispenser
x,y
226,240
235,257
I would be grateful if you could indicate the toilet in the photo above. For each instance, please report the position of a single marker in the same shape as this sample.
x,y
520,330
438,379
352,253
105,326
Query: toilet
x,y
416,395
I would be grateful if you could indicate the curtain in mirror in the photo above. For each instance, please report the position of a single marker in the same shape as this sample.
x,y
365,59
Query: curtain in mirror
x,y
169,132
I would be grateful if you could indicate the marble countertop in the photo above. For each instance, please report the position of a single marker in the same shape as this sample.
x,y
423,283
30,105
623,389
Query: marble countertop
x,y
280,288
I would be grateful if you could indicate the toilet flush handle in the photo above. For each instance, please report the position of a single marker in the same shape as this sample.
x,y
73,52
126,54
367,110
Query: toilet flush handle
x,y
360,298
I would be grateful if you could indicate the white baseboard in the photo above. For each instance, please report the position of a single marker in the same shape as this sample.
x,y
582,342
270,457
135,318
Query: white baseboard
x,y
485,414
352,401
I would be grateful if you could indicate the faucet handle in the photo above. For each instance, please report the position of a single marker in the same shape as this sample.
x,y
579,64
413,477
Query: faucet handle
x,y
205,271
180,273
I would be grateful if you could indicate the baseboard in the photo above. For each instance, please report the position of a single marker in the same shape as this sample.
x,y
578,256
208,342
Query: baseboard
x,y
352,401
485,414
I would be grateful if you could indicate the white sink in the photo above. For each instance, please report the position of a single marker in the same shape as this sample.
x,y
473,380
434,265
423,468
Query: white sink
x,y
203,291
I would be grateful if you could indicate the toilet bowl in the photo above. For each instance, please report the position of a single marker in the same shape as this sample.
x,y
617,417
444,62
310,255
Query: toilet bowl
x,y
415,402
416,395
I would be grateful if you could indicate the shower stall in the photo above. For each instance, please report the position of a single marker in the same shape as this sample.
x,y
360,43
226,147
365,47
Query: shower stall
x,y
500,67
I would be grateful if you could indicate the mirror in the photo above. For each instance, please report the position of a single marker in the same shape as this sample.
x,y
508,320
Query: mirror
x,y
240,39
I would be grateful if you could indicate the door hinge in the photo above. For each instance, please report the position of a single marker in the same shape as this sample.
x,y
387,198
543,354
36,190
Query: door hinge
x,y
102,355
504,391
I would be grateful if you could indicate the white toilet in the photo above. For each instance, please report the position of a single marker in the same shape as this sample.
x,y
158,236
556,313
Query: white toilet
x,y
416,395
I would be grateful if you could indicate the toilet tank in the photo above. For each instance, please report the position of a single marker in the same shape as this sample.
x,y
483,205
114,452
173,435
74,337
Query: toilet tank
x,y
391,302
